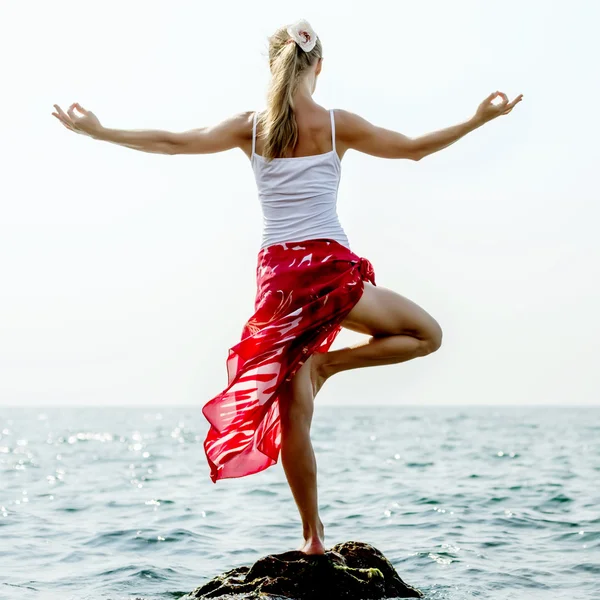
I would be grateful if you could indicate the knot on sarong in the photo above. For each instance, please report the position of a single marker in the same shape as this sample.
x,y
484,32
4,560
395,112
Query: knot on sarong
x,y
365,268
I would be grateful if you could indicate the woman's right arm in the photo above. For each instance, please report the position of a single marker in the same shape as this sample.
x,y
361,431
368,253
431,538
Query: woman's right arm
x,y
356,133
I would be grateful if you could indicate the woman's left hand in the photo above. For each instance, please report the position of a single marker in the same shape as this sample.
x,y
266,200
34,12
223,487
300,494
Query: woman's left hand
x,y
487,110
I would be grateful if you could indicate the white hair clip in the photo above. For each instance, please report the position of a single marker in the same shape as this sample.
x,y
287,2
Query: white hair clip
x,y
303,34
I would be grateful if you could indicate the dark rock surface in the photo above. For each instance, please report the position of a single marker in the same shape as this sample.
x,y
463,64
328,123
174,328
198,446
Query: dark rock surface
x,y
350,571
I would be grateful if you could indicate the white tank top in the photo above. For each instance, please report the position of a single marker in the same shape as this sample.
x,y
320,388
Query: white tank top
x,y
298,195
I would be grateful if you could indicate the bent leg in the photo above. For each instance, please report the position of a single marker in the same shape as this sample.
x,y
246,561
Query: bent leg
x,y
400,329
298,457
381,311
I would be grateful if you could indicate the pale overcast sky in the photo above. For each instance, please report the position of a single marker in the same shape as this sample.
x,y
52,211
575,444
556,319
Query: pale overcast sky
x,y
126,276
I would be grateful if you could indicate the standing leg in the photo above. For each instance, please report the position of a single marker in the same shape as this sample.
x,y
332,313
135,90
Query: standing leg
x,y
298,457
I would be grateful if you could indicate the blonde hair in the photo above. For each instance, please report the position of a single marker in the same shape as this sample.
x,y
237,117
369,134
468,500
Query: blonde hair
x,y
287,61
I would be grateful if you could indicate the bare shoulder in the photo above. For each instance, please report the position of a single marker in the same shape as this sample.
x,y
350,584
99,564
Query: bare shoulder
x,y
237,126
241,124
357,133
244,118
349,125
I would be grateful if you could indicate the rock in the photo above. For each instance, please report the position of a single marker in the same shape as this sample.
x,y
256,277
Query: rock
x,y
349,571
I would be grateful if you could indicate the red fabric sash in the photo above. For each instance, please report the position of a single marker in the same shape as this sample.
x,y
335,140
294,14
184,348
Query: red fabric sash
x,y
304,292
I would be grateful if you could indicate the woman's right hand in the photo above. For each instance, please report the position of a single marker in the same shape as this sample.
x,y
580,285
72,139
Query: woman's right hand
x,y
86,124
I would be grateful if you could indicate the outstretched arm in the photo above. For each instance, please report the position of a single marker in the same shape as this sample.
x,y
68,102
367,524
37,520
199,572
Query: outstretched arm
x,y
230,133
357,133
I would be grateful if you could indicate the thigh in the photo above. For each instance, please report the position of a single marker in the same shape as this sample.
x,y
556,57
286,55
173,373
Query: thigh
x,y
381,311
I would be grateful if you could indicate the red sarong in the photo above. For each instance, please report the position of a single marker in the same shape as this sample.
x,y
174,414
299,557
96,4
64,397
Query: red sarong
x,y
304,292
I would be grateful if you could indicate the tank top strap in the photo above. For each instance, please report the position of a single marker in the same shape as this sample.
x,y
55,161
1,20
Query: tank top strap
x,y
332,129
253,134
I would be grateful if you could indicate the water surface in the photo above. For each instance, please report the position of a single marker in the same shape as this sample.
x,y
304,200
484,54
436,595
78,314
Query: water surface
x,y
466,502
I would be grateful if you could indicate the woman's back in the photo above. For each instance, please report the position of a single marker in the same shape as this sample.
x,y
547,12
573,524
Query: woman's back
x,y
298,193
314,133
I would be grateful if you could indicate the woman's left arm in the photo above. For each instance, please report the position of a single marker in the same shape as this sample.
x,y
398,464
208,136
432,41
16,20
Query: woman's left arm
x,y
487,110
231,133
228,134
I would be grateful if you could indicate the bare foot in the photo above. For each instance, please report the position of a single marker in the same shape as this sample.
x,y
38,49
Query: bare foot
x,y
314,543
313,546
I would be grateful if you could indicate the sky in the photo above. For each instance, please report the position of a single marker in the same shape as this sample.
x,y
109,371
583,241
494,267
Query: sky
x,y
126,276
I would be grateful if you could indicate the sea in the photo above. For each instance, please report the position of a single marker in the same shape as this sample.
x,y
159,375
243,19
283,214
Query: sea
x,y
499,502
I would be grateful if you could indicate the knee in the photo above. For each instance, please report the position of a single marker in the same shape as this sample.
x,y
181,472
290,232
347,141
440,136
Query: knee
x,y
433,339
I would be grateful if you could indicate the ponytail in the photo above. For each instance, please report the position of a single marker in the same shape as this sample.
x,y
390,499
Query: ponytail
x,y
287,61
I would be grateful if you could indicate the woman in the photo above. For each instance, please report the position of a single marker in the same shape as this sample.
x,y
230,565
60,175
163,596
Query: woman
x,y
309,282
